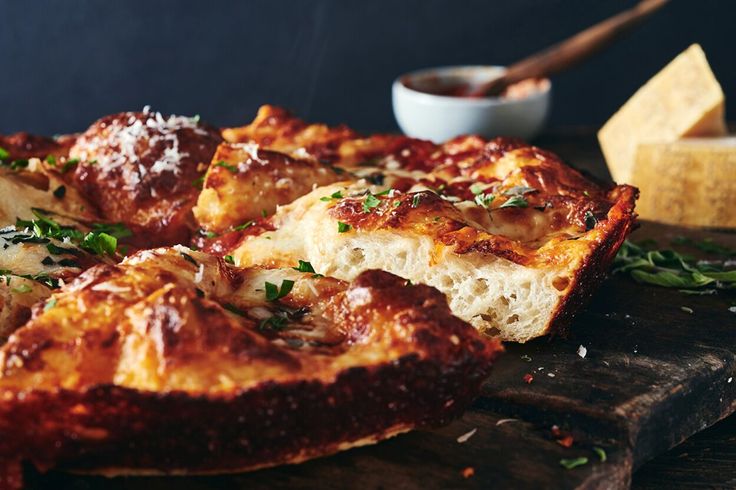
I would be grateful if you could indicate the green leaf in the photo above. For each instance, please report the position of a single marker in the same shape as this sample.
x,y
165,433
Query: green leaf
x,y
415,200
515,202
274,293
4,154
342,227
601,454
229,259
243,226
370,202
99,243
226,165
304,266
569,464
484,200
334,195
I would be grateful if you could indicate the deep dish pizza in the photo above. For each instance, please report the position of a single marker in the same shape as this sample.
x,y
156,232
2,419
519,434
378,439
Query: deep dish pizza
x,y
224,300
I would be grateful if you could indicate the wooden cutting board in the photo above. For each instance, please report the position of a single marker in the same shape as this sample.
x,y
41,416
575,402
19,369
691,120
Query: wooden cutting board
x,y
653,374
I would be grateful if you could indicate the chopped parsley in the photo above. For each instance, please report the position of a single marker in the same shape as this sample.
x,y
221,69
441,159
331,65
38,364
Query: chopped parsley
x,y
69,164
601,453
103,239
342,227
226,165
99,243
517,201
60,192
229,259
484,200
569,464
4,154
242,227
370,202
304,266
477,188
51,160
415,200
274,293
334,195
198,182
264,213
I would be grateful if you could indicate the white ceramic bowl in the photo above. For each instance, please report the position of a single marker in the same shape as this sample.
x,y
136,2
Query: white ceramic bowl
x,y
441,117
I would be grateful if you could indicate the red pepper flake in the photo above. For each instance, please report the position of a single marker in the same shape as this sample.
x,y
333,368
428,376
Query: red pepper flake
x,y
468,472
528,378
565,441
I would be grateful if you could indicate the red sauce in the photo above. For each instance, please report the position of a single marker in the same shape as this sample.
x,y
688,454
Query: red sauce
x,y
450,88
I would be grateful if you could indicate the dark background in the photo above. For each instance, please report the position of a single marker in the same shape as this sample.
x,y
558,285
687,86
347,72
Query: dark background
x,y
65,63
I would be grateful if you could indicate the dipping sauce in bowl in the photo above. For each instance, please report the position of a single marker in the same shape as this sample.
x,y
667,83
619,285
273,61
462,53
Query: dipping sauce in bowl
x,y
451,88
436,104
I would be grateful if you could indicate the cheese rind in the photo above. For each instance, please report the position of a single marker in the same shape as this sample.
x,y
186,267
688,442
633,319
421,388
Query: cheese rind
x,y
688,182
683,100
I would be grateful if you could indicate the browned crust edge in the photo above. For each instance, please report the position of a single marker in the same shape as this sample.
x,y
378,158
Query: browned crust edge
x,y
621,220
112,427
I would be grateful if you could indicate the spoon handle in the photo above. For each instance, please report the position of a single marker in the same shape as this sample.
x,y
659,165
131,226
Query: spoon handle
x,y
571,51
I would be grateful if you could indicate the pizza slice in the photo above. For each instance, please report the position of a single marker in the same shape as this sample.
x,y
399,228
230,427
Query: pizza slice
x,y
516,239
175,361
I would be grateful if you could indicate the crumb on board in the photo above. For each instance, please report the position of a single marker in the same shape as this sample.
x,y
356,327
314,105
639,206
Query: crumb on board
x,y
468,472
582,351
528,378
464,438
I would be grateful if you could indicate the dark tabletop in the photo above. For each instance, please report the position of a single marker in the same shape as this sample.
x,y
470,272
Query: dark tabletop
x,y
706,460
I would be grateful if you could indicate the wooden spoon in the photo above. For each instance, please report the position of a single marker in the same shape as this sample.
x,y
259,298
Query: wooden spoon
x,y
571,51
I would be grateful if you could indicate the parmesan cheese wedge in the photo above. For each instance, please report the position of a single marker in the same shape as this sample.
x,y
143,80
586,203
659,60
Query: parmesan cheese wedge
x,y
682,100
688,182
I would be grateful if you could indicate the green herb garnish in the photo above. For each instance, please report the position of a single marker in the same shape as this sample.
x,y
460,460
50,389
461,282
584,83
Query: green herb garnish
x,y
334,195
243,226
370,202
569,464
274,293
601,454
304,266
342,227
229,259
4,154
668,268
484,200
226,165
517,201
